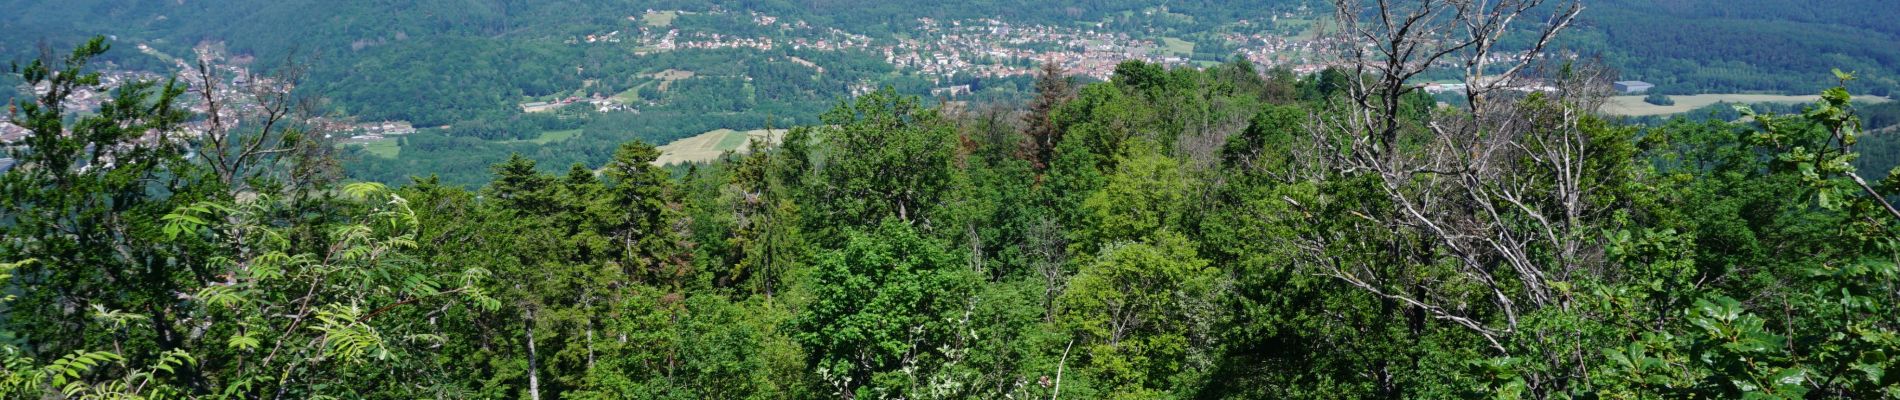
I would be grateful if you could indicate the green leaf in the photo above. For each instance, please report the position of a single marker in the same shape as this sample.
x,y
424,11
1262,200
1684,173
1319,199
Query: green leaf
x,y
363,190
1836,96
1843,76
243,342
1791,383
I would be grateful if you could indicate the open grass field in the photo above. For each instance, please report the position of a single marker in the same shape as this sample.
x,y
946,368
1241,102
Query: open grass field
x,y
386,148
735,142
1177,46
668,76
708,146
542,106
1634,106
1309,29
555,136
659,18
664,78
631,95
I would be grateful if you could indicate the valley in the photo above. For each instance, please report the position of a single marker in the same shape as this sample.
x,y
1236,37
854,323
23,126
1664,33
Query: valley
x,y
979,199
1634,106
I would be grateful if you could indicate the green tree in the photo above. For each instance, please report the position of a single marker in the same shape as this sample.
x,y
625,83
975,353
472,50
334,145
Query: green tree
x,y
883,156
1143,314
881,311
84,200
1052,89
766,240
644,219
518,186
1147,194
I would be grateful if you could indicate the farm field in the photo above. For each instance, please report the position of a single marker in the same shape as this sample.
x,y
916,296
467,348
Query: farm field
x,y
1178,47
659,19
1633,106
542,106
555,136
708,146
667,77
386,148
631,95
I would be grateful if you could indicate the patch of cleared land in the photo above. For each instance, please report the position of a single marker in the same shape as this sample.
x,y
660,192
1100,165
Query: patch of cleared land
x,y
668,76
1178,47
547,137
161,56
555,136
1311,29
708,146
808,63
665,79
659,18
1634,106
632,94
386,148
541,106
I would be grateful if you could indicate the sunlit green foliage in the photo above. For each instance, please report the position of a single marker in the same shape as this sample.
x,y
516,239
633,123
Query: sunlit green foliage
x,y
1190,234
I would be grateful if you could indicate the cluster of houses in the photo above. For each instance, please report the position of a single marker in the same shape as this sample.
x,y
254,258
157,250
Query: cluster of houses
x,y
1270,49
1532,85
984,47
1436,87
1632,87
981,47
672,40
610,37
950,91
600,102
86,98
801,36
354,132
10,133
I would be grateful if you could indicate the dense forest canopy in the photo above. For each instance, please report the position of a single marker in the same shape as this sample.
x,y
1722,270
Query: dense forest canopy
x,y
1226,231
1697,46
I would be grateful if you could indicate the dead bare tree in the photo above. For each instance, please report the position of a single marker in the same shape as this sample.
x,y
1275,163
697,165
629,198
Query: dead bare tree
x,y
1401,41
256,123
1497,191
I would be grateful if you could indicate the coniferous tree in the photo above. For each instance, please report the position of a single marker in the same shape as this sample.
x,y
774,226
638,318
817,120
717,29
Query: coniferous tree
x,y
1052,89
643,219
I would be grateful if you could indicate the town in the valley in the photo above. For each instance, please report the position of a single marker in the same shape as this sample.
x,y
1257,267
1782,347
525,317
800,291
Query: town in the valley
x,y
932,48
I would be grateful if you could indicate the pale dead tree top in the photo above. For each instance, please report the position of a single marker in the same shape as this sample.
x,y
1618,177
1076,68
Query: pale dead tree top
x,y
253,121
1389,43
1497,187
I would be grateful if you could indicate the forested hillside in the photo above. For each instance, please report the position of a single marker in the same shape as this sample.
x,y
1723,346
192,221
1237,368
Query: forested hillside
x,y
439,62
1227,231
1703,46
1689,46
462,69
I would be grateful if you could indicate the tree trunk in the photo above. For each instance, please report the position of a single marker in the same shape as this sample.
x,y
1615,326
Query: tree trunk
x,y
534,364
588,302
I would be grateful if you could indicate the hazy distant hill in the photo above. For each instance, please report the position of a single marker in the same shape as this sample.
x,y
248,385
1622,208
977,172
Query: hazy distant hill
x,y
398,42
1747,45
1684,45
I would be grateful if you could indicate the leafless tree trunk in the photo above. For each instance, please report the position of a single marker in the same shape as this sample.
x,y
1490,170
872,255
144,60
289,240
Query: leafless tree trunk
x,y
1498,188
1047,251
1057,392
252,128
534,365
